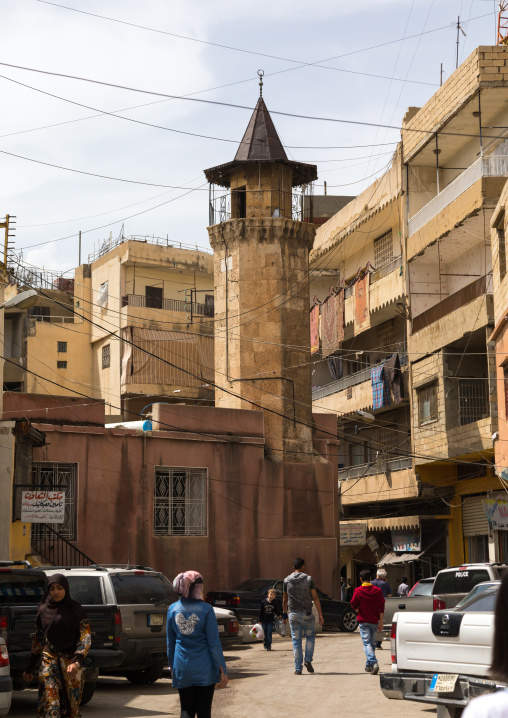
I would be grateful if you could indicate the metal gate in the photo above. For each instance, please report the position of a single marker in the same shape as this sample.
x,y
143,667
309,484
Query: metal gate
x,y
61,477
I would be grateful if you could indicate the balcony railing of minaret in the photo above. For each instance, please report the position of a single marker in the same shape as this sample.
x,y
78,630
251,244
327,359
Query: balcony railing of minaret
x,y
259,203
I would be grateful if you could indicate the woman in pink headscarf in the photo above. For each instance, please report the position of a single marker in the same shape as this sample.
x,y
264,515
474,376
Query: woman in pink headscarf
x,y
194,650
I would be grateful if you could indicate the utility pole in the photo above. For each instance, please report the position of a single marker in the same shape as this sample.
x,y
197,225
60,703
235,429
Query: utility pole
x,y
459,28
441,81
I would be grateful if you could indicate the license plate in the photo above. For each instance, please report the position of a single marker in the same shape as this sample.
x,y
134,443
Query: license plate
x,y
155,619
444,682
221,629
220,603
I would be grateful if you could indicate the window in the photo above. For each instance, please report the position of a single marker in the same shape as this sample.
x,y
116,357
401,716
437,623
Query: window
x,y
209,305
386,337
106,356
383,250
427,404
472,400
359,453
180,504
142,589
51,477
239,201
153,297
61,365
61,347
86,590
501,246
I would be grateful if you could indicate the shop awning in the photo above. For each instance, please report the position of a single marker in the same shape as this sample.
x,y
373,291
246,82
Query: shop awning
x,y
395,522
392,558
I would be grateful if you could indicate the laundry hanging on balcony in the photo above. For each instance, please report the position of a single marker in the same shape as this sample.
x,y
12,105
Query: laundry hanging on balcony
x,y
314,327
393,377
332,321
335,367
380,395
362,299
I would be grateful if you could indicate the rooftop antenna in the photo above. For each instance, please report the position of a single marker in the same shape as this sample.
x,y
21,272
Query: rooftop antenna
x,y
502,23
261,73
459,27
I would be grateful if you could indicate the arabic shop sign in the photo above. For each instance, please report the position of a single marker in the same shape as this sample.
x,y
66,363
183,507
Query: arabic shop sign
x,y
496,511
43,507
406,540
352,534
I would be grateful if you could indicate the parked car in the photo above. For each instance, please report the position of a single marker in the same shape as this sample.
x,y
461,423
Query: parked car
x,y
229,627
21,589
5,679
245,601
420,598
141,596
453,583
443,658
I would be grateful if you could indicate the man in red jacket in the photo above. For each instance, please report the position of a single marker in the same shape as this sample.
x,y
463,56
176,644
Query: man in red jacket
x,y
369,603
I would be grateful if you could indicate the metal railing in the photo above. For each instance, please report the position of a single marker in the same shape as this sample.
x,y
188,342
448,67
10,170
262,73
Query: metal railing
x,y
220,207
56,549
352,380
355,472
169,305
494,166
473,404
108,244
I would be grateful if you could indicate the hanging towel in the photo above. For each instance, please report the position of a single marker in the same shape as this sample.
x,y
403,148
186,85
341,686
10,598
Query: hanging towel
x,y
332,321
380,396
393,377
335,367
362,308
314,328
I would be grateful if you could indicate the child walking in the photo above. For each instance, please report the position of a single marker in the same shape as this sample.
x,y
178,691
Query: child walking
x,y
270,608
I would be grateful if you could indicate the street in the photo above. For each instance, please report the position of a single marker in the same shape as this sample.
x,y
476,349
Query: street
x,y
261,684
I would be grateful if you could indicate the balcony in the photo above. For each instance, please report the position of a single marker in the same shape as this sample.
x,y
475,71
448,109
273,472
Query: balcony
x,y
386,286
459,299
369,484
351,393
168,305
494,166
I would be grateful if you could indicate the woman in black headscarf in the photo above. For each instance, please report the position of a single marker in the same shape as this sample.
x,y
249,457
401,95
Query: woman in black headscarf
x,y
61,641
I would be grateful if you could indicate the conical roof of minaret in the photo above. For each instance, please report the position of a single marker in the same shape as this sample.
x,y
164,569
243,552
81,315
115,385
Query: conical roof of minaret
x,y
261,143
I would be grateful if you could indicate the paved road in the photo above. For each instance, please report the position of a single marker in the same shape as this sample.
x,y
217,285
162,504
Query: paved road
x,y
261,685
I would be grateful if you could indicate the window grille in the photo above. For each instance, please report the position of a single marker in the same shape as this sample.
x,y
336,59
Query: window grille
x,y
180,502
106,356
60,477
61,365
383,250
427,404
386,337
472,400
61,347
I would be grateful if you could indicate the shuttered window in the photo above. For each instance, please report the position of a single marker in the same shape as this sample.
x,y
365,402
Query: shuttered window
x,y
474,521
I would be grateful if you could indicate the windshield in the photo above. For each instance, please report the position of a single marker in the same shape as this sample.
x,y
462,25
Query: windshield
x,y
484,601
422,588
21,587
253,584
474,593
145,588
459,580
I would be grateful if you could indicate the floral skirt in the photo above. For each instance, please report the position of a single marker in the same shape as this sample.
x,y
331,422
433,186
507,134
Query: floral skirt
x,y
59,692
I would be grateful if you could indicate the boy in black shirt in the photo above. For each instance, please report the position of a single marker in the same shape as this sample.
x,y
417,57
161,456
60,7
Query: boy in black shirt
x,y
269,609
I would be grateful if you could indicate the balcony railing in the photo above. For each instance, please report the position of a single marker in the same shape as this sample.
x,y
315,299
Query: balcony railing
x,y
352,380
356,472
168,305
465,295
494,166
220,207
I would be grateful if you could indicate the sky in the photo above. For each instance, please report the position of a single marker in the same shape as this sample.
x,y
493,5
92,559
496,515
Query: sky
x,y
335,60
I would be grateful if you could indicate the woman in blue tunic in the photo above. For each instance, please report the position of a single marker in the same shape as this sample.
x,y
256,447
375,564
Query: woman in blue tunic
x,y
194,650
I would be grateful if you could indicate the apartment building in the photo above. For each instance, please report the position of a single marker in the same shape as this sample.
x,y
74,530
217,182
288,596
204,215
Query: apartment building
x,y
455,155
92,334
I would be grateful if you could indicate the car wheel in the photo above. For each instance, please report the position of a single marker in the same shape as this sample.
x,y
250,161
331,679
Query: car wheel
x,y
349,621
147,675
88,691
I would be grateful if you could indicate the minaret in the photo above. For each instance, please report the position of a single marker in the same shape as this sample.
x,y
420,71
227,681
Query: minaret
x,y
261,267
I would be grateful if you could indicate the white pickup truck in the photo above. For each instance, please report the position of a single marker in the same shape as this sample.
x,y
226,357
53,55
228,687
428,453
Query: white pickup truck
x,y
443,658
